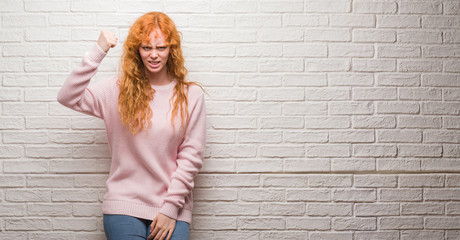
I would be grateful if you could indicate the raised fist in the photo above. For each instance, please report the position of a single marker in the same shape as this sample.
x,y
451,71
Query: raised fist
x,y
107,40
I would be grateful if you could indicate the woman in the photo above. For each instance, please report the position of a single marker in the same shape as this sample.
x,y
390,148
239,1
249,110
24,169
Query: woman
x,y
155,122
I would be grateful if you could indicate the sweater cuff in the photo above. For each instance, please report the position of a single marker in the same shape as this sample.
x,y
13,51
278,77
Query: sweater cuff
x,y
96,54
170,210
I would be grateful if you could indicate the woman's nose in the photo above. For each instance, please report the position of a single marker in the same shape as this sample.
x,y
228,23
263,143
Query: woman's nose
x,y
154,53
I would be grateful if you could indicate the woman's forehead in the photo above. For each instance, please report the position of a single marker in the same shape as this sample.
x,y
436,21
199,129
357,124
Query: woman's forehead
x,y
155,37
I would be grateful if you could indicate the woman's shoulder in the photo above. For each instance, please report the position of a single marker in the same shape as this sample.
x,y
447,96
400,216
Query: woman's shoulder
x,y
195,90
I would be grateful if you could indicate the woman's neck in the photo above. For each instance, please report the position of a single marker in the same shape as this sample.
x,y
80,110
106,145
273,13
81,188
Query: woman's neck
x,y
160,78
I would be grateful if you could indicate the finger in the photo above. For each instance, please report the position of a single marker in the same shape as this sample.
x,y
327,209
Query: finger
x,y
170,234
158,235
156,231
153,225
163,235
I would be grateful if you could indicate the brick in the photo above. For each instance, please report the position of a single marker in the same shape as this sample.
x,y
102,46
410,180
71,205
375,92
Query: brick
x,y
11,123
282,151
233,6
29,50
271,6
215,194
139,6
11,210
259,80
47,6
284,181
29,224
329,180
442,223
258,195
302,109
401,194
419,36
351,136
303,223
11,65
351,50
25,166
349,195
289,209
452,180
401,164
358,164
354,223
398,21
291,65
422,208
281,94
440,21
11,6
398,51
259,165
441,194
236,209
259,137
401,223
86,210
374,7
322,195
50,181
25,137
399,136
28,196
375,181
347,79
377,209
374,65
398,79
260,223
46,209
421,234
355,20
328,6
75,195
258,21
24,20
397,107
330,236
293,235
11,151
241,36
48,151
256,50
329,35
421,180
304,50
309,20
411,7
215,223
375,150
74,224
329,209
382,235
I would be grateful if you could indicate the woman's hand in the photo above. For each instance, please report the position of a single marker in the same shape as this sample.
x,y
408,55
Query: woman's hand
x,y
161,227
107,40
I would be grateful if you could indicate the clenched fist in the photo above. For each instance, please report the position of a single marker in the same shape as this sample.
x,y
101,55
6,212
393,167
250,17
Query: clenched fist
x,y
107,40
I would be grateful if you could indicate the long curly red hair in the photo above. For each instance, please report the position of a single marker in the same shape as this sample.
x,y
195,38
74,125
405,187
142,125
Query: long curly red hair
x,y
135,89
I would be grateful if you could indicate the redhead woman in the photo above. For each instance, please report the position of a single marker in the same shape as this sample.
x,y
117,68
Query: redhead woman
x,y
156,128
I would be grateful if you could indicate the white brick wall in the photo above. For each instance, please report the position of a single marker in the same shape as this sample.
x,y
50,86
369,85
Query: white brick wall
x,y
327,119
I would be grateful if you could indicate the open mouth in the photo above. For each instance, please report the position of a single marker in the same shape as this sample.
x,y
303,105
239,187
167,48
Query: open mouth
x,y
154,64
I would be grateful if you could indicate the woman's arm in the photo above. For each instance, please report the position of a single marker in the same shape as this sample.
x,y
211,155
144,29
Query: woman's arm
x,y
74,93
189,159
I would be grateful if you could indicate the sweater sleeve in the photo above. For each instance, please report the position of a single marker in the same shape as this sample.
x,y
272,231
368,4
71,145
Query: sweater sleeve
x,y
74,93
189,160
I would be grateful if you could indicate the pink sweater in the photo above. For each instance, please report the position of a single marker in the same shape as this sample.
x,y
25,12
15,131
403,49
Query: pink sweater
x,y
152,172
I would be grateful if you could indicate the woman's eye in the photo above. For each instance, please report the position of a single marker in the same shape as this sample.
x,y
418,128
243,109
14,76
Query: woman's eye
x,y
146,48
161,48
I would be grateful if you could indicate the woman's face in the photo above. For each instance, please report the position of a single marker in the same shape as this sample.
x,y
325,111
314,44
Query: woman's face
x,y
155,53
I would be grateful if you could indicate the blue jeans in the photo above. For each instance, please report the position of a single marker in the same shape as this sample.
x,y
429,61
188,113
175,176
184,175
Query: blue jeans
x,y
123,227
